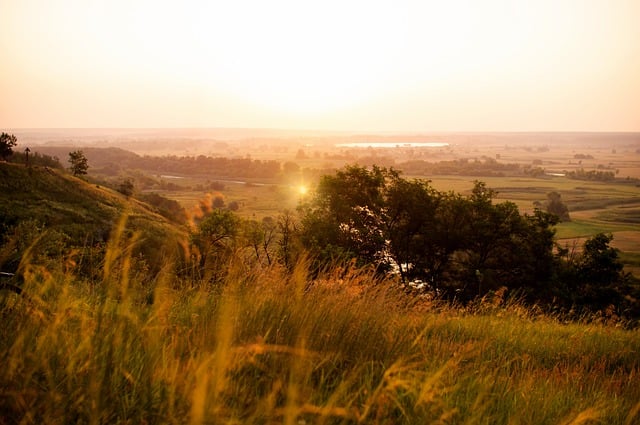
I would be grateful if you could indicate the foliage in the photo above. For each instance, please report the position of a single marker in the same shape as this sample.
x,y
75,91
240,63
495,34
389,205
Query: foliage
x,y
261,237
126,187
593,175
342,221
484,167
554,205
595,279
7,142
79,163
166,207
461,247
30,239
214,244
37,159
218,201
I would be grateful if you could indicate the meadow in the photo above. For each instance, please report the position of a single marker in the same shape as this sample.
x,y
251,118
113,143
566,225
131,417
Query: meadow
x,y
276,346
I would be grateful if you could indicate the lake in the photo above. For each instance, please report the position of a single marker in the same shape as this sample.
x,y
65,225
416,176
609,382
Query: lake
x,y
393,145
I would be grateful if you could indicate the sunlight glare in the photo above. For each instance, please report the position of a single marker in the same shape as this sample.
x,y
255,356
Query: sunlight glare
x,y
304,59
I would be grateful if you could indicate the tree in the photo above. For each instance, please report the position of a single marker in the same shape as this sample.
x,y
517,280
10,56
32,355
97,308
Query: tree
x,y
600,273
219,227
287,227
126,187
342,221
7,142
79,163
259,236
218,201
554,205
215,240
410,227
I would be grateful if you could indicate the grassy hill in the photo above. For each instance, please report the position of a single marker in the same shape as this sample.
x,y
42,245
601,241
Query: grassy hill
x,y
271,346
79,213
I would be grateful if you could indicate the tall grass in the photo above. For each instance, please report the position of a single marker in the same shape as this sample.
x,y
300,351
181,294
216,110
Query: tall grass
x,y
272,346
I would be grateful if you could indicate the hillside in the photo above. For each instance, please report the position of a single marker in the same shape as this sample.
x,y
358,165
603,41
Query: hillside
x,y
78,212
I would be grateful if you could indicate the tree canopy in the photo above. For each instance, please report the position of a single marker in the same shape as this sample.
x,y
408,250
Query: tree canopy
x,y
79,163
460,246
7,143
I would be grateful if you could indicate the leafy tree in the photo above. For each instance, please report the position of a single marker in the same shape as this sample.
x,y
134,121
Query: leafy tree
x,y
461,246
600,262
259,236
218,227
502,248
166,207
594,279
214,240
450,235
536,246
554,205
218,201
601,280
411,228
126,187
7,142
79,163
490,239
343,220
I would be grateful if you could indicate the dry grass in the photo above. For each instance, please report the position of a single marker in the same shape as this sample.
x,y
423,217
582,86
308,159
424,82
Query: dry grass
x,y
271,346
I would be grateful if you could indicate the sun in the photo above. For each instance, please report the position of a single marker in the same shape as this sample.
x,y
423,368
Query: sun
x,y
303,190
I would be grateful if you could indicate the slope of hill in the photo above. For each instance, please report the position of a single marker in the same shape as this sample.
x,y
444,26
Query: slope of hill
x,y
83,213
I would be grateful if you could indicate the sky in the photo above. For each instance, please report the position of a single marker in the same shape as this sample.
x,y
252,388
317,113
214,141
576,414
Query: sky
x,y
399,65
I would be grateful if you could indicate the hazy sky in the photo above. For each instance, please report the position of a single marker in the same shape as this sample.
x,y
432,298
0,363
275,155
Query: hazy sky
x,y
399,65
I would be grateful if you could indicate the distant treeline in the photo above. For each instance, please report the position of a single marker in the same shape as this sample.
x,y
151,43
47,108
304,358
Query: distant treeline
x,y
219,166
486,167
594,175
114,161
